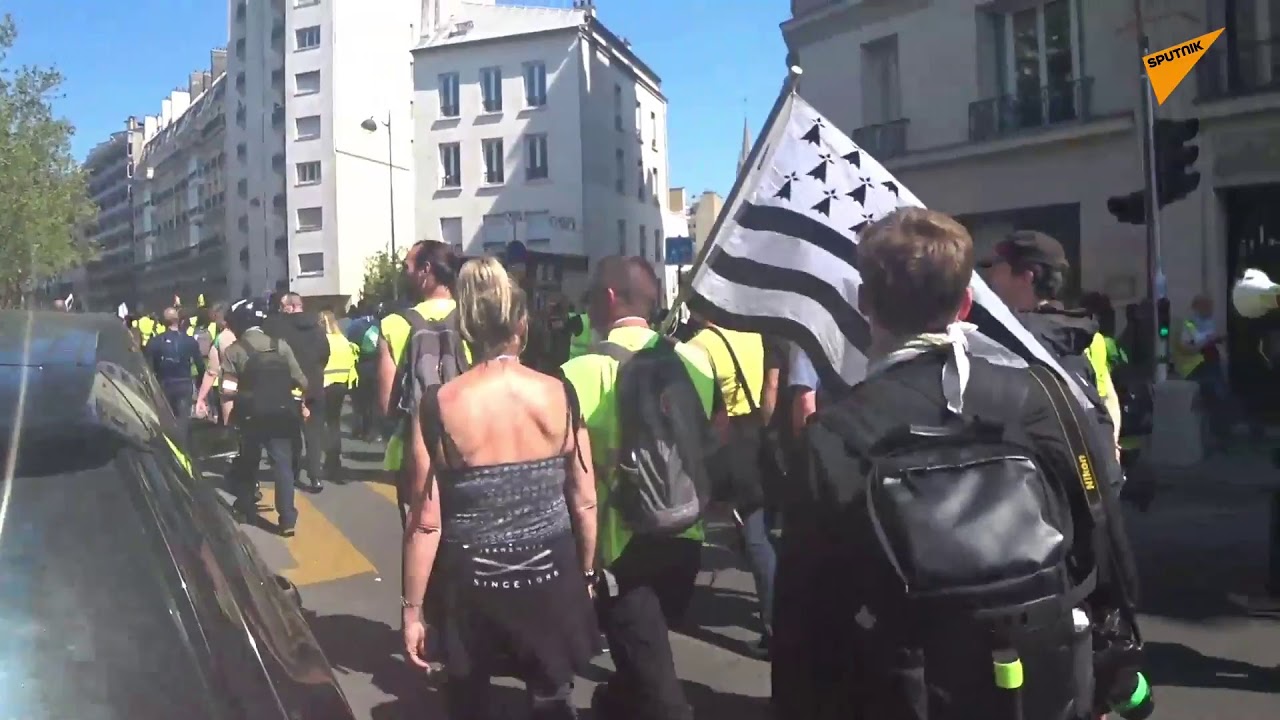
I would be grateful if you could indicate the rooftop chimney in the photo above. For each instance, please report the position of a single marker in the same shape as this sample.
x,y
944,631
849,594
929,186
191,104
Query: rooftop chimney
x,y
195,84
218,62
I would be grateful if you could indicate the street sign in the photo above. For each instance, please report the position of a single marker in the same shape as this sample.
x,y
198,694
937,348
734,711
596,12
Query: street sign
x,y
679,251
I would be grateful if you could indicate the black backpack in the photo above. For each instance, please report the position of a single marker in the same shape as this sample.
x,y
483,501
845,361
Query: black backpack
x,y
433,355
662,485
971,574
266,386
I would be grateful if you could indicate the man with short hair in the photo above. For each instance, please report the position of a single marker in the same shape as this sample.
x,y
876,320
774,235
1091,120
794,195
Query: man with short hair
x,y
1028,271
840,648
176,358
301,330
259,373
650,577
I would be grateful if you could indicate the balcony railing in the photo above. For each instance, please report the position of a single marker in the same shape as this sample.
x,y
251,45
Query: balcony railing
x,y
1010,114
884,140
1233,69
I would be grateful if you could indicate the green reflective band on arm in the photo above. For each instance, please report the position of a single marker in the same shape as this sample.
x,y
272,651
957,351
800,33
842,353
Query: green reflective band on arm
x,y
1008,674
1139,696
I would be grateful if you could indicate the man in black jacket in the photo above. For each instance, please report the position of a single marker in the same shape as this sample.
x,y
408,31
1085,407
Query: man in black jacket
x,y
1028,271
916,267
303,332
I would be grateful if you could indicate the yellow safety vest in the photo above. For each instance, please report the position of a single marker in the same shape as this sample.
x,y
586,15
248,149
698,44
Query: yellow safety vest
x,y
341,367
193,325
580,344
1185,361
146,328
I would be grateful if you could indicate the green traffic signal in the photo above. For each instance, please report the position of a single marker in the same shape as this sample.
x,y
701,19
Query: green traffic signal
x,y
1164,332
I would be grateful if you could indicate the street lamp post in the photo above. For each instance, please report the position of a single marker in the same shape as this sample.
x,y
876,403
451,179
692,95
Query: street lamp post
x,y
371,125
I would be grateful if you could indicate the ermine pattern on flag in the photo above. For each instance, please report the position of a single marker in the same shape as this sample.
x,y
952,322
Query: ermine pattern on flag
x,y
785,262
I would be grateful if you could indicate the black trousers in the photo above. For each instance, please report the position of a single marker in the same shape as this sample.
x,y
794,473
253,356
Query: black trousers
x,y
654,580
275,439
310,433
334,398
362,397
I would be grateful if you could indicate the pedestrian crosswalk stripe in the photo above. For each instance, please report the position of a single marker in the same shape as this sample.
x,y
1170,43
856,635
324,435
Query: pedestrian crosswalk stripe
x,y
320,551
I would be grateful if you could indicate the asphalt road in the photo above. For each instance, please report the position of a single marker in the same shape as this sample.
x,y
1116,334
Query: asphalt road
x,y
1198,547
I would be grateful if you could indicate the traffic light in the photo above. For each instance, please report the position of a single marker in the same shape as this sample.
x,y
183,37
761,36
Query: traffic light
x,y
1175,159
1162,318
1176,177
1129,209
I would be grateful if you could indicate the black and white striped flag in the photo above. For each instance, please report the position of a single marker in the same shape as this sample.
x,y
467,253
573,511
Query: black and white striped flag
x,y
784,260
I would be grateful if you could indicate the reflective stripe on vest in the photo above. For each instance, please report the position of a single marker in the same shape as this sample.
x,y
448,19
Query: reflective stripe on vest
x,y
580,344
1185,362
341,367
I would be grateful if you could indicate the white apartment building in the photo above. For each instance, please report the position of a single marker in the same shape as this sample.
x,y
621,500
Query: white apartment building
x,y
318,142
108,278
1022,114
537,125
179,195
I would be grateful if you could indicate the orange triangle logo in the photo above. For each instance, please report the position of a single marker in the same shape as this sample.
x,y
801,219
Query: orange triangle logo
x,y
1166,68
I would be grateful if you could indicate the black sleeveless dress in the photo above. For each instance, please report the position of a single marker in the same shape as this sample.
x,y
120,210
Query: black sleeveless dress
x,y
516,601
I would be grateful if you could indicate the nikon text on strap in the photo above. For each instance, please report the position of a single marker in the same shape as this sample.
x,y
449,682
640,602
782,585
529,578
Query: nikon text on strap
x,y
1118,554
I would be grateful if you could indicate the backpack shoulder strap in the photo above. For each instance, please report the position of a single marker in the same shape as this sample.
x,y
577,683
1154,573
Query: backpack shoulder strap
x,y
414,319
433,431
573,423
737,369
612,350
989,400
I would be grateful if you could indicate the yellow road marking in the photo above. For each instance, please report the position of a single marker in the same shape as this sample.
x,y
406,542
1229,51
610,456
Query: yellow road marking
x,y
387,492
320,551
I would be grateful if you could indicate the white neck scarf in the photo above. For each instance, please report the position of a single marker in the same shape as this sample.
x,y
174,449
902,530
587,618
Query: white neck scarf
x,y
955,373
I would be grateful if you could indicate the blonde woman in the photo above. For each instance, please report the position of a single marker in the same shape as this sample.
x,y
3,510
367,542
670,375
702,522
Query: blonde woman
x,y
339,378
502,530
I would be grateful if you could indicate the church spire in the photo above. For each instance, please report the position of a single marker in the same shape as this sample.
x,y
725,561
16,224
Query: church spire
x,y
746,144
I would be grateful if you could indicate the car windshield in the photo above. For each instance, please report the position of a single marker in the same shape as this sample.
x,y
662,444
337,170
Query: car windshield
x,y
90,625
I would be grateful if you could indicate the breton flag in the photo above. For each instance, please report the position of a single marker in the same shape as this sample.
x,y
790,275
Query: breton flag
x,y
783,258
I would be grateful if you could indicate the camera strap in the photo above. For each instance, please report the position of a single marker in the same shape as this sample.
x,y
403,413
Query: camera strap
x,y
1116,553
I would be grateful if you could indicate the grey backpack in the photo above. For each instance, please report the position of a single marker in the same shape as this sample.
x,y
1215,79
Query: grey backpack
x,y
433,355
662,486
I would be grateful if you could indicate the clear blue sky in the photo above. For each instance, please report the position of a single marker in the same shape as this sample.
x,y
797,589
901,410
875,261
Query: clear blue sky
x,y
120,58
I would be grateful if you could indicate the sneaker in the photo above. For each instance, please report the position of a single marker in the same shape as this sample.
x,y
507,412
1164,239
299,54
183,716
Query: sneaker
x,y
287,532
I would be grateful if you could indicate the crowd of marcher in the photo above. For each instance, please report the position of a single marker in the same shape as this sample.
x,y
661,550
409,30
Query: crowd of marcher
x,y
939,541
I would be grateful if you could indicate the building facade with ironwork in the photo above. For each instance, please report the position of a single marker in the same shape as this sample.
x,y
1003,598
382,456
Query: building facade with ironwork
x,y
179,195
537,125
108,278
1025,114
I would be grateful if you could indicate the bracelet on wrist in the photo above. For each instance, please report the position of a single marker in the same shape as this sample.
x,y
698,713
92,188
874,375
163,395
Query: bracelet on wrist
x,y
406,605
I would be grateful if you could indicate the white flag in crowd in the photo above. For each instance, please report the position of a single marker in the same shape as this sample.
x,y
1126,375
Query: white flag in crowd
x,y
784,260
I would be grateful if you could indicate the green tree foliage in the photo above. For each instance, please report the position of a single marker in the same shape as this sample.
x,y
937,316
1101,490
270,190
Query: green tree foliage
x,y
381,274
44,203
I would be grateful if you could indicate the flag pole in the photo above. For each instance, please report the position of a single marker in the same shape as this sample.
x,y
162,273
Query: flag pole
x,y
794,72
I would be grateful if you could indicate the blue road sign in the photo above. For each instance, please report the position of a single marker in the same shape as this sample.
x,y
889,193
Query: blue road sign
x,y
679,251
